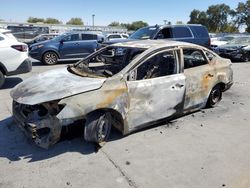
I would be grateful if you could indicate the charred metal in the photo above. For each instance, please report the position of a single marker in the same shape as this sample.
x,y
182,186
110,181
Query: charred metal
x,y
133,85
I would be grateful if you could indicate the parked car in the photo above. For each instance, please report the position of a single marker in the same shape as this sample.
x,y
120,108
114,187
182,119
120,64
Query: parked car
x,y
66,46
26,32
13,56
193,33
223,40
236,49
115,36
148,81
41,37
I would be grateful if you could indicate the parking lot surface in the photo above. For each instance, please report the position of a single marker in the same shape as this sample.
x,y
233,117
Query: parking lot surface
x,y
209,148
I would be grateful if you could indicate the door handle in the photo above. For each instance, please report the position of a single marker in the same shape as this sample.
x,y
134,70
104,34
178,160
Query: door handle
x,y
76,43
178,85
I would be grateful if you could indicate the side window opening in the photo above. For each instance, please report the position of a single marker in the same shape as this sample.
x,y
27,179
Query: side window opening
x,y
193,58
165,34
73,37
162,64
209,55
181,32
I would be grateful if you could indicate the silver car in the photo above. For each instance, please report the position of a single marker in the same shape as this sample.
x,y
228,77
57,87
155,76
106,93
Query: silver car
x,y
134,85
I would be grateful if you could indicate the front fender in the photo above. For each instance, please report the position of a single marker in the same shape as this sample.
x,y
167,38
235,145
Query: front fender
x,y
111,95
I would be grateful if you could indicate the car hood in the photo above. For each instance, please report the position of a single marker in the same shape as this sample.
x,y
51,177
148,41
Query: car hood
x,y
232,46
53,85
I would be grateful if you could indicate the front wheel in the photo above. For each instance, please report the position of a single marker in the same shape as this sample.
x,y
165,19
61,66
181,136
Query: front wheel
x,y
97,127
215,97
50,58
2,79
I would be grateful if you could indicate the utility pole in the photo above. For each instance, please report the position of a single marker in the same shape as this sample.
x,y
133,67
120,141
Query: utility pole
x,y
93,20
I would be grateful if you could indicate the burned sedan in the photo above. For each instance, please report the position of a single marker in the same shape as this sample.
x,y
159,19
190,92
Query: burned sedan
x,y
236,49
134,85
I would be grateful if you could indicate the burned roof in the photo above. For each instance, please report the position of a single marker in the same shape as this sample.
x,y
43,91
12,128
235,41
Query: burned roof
x,y
146,44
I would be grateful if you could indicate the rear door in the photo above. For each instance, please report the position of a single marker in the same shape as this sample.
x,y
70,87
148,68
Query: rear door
x,y
88,44
200,76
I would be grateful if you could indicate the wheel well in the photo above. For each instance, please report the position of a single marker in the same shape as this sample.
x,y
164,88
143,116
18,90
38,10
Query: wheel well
x,y
51,51
221,85
117,120
2,69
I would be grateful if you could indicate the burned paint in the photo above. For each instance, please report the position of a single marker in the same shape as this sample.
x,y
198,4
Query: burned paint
x,y
45,103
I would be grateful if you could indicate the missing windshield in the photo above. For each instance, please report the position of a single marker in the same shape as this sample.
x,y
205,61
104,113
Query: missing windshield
x,y
105,62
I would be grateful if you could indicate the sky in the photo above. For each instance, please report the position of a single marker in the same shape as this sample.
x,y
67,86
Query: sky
x,y
124,11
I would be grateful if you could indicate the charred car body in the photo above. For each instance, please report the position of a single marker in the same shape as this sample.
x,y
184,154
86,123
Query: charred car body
x,y
143,82
236,49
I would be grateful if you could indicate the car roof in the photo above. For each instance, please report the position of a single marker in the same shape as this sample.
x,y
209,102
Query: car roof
x,y
147,44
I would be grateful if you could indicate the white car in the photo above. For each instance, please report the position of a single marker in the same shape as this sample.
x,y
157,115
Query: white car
x,y
13,56
115,36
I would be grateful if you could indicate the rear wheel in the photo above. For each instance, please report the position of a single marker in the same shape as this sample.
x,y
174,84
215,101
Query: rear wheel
x,y
97,127
215,97
245,58
50,58
2,79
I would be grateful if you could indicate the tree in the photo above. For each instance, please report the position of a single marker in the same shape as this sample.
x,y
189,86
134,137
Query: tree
x,y
75,21
114,24
52,21
217,17
179,22
34,20
242,15
136,25
198,17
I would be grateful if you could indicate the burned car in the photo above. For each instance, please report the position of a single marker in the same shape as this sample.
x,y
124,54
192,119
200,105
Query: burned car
x,y
135,85
236,49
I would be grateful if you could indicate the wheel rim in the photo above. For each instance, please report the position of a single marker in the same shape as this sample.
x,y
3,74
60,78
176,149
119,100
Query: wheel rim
x,y
103,129
215,96
50,58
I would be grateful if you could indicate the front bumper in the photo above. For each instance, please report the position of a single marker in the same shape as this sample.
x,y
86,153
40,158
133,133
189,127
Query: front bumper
x,y
35,54
44,131
24,67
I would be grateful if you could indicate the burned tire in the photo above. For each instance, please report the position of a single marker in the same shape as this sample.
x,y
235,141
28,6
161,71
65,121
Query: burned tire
x,y
215,97
50,58
2,79
97,127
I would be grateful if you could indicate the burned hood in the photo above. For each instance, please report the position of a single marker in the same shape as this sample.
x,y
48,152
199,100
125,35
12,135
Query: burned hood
x,y
53,85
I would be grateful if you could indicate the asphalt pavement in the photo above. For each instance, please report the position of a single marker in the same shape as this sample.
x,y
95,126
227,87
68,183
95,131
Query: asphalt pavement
x,y
206,149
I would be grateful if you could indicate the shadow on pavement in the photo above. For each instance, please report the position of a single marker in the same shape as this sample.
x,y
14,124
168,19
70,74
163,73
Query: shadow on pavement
x,y
11,82
15,146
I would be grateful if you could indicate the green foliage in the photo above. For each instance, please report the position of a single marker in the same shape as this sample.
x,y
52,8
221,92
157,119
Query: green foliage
x,y
215,18
35,20
52,21
179,22
242,15
132,27
114,24
75,21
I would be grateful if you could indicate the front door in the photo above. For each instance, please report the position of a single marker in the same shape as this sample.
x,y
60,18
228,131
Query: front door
x,y
156,90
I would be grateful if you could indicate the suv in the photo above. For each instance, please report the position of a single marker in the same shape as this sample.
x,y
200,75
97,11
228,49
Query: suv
x,y
66,46
193,33
13,56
